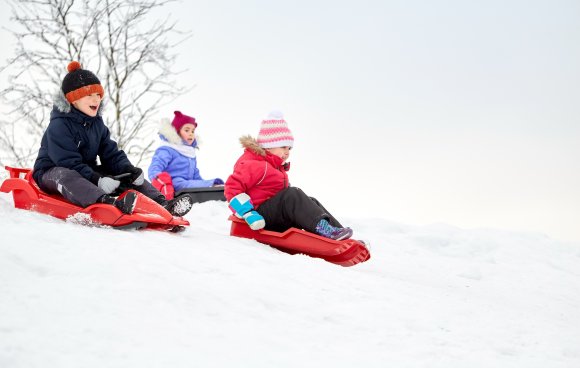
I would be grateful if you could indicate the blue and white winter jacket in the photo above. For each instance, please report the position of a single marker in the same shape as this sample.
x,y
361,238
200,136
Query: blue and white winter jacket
x,y
179,160
74,140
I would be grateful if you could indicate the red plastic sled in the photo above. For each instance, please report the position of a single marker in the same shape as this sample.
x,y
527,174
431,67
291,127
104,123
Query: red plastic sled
x,y
147,214
344,252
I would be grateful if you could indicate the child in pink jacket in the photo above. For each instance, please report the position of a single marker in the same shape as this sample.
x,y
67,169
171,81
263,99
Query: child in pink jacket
x,y
259,192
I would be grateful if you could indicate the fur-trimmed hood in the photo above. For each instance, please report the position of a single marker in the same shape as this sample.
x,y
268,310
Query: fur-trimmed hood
x,y
168,133
251,143
62,104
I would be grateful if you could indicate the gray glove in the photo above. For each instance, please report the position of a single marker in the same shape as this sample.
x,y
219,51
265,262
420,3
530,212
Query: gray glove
x,y
140,179
137,176
108,185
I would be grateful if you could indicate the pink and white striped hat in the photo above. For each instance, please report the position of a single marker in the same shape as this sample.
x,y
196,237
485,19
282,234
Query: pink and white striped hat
x,y
274,132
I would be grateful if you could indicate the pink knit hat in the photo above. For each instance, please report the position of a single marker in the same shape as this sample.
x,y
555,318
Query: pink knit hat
x,y
180,120
274,132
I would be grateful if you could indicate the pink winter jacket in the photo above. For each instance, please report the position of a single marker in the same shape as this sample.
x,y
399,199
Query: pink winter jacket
x,y
257,173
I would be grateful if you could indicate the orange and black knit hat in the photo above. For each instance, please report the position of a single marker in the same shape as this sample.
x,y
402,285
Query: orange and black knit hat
x,y
79,83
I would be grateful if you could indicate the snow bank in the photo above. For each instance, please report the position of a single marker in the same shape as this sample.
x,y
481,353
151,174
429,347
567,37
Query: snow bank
x,y
434,296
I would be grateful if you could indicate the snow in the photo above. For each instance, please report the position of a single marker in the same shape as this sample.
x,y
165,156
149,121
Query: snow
x,y
430,296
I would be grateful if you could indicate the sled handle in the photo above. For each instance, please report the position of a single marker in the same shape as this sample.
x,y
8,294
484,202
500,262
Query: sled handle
x,y
121,176
16,171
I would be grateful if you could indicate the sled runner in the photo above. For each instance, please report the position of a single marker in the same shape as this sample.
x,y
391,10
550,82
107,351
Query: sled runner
x,y
200,195
344,252
147,213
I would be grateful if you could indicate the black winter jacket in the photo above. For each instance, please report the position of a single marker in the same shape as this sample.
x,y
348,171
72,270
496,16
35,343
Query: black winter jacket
x,y
74,140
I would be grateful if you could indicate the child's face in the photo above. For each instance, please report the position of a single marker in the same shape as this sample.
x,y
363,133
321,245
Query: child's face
x,y
89,104
187,133
282,152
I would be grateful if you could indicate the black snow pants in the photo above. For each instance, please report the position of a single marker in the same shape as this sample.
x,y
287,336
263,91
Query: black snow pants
x,y
291,207
80,191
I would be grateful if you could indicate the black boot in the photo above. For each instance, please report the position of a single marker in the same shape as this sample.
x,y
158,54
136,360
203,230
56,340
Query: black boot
x,y
179,206
125,204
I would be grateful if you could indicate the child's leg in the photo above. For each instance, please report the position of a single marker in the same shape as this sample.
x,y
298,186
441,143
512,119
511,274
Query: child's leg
x,y
291,207
178,206
331,219
150,191
71,185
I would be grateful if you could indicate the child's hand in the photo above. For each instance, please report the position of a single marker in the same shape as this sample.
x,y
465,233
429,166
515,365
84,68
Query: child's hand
x,y
137,177
108,184
254,220
243,207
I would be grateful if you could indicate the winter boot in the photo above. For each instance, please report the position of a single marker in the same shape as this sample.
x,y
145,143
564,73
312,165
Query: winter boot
x,y
332,232
179,206
125,204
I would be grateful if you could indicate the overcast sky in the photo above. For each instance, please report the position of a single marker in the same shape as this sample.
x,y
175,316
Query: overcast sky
x,y
461,112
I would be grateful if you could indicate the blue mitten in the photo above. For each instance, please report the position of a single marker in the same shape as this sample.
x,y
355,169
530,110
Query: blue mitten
x,y
243,208
254,220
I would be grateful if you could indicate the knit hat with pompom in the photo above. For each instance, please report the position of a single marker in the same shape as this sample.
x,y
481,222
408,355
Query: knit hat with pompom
x,y
79,83
274,132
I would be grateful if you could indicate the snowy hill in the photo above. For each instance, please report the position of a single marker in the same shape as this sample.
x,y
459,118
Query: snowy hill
x,y
435,296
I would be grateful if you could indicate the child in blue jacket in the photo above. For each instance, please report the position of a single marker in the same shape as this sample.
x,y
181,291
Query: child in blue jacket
x,y
76,135
176,155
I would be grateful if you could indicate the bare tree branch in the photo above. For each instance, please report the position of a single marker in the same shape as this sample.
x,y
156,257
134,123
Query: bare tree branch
x,y
116,40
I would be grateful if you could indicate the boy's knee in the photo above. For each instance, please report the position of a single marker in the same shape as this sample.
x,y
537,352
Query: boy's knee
x,y
61,173
69,172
